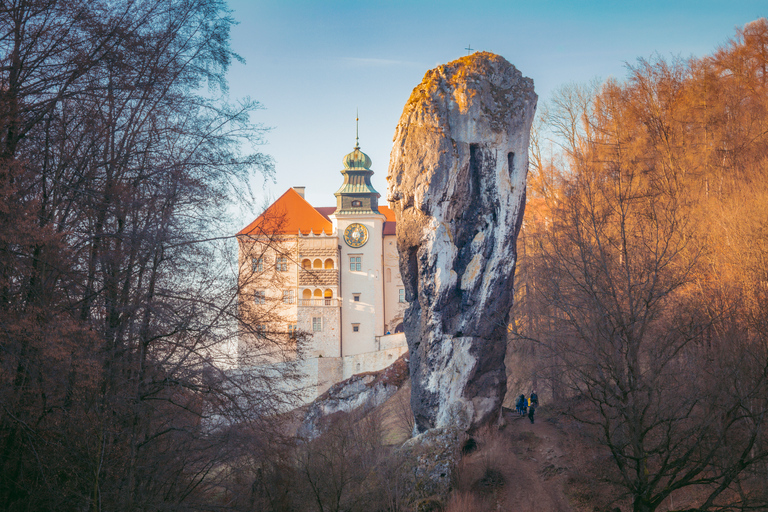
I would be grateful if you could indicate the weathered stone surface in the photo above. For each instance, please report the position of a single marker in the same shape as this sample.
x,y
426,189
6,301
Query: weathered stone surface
x,y
361,392
431,459
457,183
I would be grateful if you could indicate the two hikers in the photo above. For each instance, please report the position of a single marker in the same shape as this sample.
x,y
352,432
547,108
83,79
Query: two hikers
x,y
522,405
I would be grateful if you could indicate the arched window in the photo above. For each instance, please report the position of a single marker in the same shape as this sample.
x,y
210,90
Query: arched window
x,y
306,263
318,294
306,294
357,204
317,263
328,296
329,263
399,327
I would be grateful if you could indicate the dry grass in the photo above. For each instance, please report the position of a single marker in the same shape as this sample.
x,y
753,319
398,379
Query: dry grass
x,y
397,417
467,502
481,478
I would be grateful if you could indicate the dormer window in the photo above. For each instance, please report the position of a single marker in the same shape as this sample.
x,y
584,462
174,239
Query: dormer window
x,y
357,204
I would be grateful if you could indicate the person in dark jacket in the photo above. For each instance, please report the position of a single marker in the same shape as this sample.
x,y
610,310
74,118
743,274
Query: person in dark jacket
x,y
533,403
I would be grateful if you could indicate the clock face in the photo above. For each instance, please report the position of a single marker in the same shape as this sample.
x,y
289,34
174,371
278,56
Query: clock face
x,y
356,235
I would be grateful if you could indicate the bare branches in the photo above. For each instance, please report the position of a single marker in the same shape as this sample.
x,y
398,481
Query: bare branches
x,y
115,314
629,279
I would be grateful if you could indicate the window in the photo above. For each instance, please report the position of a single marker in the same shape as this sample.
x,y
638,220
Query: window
x,y
355,263
260,297
356,297
257,264
355,327
281,264
357,204
289,297
401,295
317,323
292,328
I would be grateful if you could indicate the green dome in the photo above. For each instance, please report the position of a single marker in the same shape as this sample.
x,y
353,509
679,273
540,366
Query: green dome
x,y
357,160
356,195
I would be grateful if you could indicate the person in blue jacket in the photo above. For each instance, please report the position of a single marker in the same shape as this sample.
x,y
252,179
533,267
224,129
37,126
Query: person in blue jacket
x,y
520,405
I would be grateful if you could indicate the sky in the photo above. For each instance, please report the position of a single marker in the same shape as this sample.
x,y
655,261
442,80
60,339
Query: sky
x,y
313,64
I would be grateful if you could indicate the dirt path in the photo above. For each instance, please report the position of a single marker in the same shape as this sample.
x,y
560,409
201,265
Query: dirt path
x,y
523,467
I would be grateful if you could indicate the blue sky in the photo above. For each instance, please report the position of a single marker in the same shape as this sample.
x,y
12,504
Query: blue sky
x,y
313,63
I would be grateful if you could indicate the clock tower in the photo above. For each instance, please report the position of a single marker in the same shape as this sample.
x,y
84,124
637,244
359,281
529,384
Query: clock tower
x,y
359,225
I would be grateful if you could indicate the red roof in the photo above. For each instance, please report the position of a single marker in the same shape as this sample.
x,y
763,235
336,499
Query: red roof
x,y
388,213
292,213
391,222
326,211
288,215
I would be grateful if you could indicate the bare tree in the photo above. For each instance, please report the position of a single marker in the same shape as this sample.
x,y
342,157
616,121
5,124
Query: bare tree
x,y
115,166
336,466
645,310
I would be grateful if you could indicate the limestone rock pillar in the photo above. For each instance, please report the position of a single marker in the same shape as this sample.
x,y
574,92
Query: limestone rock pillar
x,y
456,181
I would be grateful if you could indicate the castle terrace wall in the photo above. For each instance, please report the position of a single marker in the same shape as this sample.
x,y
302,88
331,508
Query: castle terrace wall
x,y
371,361
391,341
320,373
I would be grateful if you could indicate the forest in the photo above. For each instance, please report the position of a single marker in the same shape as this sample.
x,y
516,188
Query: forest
x,y
642,281
117,159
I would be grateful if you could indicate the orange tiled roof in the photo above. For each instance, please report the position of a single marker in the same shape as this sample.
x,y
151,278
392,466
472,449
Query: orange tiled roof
x,y
391,222
388,213
288,215
292,213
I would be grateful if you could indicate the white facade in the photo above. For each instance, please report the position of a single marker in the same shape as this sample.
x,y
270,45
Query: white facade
x,y
362,291
347,292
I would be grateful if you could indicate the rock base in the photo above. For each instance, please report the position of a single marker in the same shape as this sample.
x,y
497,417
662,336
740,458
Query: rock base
x,y
432,457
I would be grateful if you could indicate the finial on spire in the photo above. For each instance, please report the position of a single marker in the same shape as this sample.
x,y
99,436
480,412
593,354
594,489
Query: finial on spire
x,y
357,125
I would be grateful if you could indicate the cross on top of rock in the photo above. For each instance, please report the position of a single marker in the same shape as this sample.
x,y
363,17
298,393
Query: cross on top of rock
x,y
469,49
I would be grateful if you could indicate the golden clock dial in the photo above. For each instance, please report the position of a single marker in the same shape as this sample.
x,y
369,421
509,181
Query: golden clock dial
x,y
356,235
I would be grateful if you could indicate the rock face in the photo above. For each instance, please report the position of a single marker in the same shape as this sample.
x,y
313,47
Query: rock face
x,y
361,392
457,184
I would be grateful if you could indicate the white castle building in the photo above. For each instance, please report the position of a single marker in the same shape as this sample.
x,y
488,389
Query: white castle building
x,y
329,272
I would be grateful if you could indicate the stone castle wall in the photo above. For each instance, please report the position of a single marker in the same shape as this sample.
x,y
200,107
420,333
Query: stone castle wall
x,y
323,372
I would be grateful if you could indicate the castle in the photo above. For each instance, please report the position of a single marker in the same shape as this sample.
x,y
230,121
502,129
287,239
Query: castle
x,y
328,273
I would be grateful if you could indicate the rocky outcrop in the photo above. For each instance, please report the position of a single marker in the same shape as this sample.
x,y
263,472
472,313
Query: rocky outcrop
x,y
457,184
359,393
431,458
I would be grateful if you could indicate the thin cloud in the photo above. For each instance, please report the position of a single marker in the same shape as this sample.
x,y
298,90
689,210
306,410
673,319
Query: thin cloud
x,y
369,62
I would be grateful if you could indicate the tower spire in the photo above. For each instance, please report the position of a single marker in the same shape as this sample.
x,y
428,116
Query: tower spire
x,y
357,128
357,195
